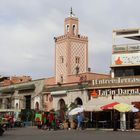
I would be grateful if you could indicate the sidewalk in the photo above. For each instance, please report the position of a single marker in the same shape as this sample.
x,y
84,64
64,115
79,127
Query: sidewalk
x,y
111,129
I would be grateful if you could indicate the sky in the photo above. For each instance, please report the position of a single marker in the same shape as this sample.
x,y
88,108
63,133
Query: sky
x,y
28,28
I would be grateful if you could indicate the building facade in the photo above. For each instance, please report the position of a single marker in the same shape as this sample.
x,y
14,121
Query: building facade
x,y
25,95
125,55
124,84
71,51
71,67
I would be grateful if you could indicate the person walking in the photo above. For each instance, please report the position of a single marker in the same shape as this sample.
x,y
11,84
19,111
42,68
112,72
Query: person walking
x,y
51,119
79,121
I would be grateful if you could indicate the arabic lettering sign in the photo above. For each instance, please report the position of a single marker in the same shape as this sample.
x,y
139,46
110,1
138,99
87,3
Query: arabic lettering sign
x,y
126,59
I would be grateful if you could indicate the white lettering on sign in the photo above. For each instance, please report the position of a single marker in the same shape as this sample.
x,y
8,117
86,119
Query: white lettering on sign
x,y
118,80
128,91
118,92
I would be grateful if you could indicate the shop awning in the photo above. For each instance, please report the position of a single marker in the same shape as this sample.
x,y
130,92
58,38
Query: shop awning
x,y
91,108
7,89
96,104
26,87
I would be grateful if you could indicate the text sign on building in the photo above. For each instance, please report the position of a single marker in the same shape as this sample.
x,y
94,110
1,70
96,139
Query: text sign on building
x,y
119,92
124,48
125,59
116,81
119,49
135,47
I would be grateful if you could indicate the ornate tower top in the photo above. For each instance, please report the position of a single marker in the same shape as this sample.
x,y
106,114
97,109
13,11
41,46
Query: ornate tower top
x,y
71,13
71,24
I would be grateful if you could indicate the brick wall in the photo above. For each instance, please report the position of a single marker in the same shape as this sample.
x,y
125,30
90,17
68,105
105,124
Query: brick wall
x,y
15,80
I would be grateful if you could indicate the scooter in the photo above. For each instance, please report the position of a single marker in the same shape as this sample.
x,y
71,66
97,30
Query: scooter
x,y
1,130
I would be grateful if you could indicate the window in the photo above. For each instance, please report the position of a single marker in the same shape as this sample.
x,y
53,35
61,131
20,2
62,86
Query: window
x,y
61,59
16,105
73,28
120,72
77,60
61,79
67,28
47,97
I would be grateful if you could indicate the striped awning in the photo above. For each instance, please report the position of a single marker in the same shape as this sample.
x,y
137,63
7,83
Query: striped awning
x,y
95,104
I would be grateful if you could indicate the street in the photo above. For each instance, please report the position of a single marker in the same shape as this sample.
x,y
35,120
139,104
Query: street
x,y
32,133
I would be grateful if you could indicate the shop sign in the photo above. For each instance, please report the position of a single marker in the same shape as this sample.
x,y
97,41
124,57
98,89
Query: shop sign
x,y
134,47
126,59
113,81
119,49
118,92
129,47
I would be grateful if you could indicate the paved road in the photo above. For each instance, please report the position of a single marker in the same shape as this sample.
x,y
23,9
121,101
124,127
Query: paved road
x,y
31,133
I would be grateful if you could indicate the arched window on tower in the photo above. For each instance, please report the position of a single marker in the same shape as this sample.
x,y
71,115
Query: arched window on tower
x,y
61,79
67,28
74,29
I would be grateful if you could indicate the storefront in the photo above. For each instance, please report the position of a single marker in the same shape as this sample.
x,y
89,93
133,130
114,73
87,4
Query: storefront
x,y
117,90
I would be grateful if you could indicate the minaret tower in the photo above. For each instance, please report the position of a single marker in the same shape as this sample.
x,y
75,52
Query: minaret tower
x,y
71,51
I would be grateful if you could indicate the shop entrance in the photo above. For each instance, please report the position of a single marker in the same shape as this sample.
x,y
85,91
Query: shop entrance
x,y
28,102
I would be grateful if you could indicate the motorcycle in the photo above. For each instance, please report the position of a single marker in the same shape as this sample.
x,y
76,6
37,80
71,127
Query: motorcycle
x,y
1,130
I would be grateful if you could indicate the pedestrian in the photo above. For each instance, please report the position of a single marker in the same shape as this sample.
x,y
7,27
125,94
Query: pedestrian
x,y
68,122
79,120
56,123
51,118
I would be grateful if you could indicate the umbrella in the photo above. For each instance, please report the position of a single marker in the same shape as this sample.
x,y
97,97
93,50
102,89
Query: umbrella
x,y
76,110
109,106
122,107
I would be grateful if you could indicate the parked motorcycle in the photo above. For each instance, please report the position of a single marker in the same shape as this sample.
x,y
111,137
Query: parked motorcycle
x,y
1,130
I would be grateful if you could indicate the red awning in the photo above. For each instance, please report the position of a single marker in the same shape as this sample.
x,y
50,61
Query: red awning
x,y
109,106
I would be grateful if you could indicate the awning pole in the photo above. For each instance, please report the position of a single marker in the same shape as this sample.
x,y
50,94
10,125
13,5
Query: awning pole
x,y
91,116
122,121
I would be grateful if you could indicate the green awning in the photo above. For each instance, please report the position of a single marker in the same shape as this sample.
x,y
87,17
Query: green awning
x,y
26,87
7,89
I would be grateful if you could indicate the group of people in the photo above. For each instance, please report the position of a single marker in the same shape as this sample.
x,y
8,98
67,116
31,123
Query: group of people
x,y
7,120
51,121
47,121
